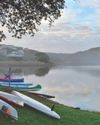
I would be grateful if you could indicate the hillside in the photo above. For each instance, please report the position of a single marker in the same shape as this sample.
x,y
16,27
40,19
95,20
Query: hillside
x,y
9,53
88,57
19,55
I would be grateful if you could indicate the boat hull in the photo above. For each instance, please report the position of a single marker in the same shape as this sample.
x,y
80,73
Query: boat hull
x,y
37,105
16,83
8,110
34,88
12,80
10,98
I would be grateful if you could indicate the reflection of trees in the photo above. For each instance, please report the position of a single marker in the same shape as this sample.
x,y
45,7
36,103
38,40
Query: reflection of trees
x,y
42,71
38,71
24,16
42,57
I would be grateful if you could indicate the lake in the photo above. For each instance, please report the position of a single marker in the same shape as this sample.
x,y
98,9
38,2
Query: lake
x,y
76,86
72,86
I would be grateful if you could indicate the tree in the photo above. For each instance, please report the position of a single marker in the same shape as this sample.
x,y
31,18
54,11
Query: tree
x,y
42,71
22,17
42,57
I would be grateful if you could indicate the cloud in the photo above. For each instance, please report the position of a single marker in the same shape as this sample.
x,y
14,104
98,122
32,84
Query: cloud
x,y
77,29
89,3
72,32
68,15
95,3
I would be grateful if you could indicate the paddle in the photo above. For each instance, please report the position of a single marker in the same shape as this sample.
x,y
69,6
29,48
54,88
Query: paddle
x,y
6,75
43,95
52,108
9,76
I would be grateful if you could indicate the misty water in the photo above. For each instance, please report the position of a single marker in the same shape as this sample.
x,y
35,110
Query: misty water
x,y
76,86
72,86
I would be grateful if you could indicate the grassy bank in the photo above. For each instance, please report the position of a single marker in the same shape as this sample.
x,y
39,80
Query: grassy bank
x,y
69,116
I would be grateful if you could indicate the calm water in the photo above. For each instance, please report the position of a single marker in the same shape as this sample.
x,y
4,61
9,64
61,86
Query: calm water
x,y
72,86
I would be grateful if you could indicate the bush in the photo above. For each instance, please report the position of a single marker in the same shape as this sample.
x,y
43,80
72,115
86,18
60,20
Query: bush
x,y
42,57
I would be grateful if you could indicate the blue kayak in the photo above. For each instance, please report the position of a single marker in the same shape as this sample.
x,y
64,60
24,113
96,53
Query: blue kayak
x,y
16,83
12,80
18,86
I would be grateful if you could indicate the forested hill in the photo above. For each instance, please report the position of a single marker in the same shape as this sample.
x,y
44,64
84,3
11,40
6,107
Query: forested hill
x,y
87,57
12,53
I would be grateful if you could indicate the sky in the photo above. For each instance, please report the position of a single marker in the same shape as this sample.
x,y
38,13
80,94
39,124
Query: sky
x,y
77,29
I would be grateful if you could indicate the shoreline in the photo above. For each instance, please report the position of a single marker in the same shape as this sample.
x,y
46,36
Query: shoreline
x,y
69,115
24,63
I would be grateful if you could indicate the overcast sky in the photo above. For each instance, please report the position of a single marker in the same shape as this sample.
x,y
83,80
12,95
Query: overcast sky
x,y
77,29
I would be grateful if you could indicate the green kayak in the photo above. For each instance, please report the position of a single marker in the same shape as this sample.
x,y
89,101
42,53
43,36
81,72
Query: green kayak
x,y
34,88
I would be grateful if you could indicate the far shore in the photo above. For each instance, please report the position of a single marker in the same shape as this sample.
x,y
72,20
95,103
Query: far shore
x,y
24,63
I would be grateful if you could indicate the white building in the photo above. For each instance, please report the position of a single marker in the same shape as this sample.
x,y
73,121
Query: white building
x,y
18,53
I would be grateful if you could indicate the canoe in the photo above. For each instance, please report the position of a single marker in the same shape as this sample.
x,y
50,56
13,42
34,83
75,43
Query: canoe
x,y
37,105
8,110
16,83
18,86
34,88
10,98
42,95
12,80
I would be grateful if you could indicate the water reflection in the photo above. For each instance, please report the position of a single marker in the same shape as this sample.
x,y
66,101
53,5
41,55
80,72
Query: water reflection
x,y
42,71
91,70
38,71
72,87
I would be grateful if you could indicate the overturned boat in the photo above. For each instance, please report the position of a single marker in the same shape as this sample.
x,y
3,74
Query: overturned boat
x,y
8,110
37,105
10,98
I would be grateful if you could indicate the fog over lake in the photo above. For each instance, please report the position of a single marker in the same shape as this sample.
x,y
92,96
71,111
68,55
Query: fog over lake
x,y
76,86
73,86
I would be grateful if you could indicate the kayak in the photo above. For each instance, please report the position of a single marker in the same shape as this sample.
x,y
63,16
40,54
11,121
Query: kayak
x,y
34,88
42,95
12,80
37,105
8,110
16,83
18,86
10,98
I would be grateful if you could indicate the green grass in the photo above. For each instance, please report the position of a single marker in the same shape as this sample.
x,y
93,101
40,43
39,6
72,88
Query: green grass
x,y
69,116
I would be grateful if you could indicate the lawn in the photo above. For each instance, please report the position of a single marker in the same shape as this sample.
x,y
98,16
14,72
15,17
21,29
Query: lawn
x,y
69,115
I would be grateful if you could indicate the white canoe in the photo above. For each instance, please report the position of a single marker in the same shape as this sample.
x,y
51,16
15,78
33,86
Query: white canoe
x,y
37,105
10,98
8,110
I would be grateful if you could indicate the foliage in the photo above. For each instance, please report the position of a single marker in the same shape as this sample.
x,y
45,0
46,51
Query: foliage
x,y
42,71
24,16
42,57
